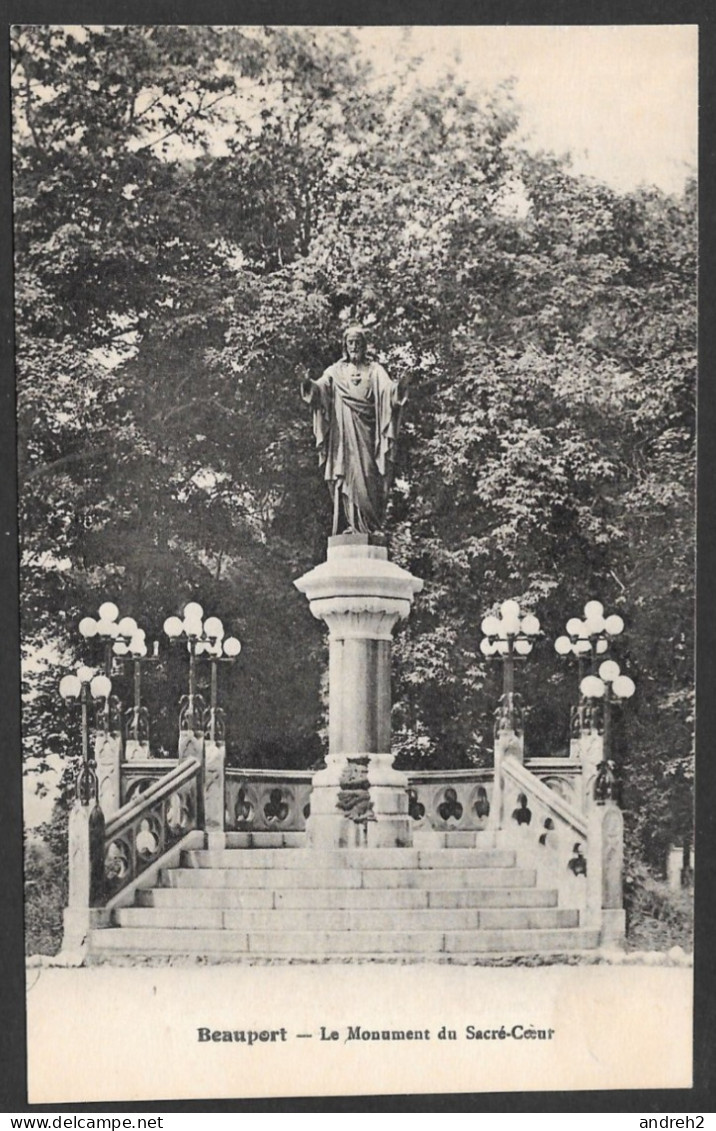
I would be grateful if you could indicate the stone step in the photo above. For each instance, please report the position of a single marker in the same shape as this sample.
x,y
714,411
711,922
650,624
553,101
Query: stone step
x,y
437,919
263,878
326,944
345,898
265,840
362,858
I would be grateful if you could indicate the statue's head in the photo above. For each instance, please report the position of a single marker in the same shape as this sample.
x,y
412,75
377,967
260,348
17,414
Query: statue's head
x,y
355,343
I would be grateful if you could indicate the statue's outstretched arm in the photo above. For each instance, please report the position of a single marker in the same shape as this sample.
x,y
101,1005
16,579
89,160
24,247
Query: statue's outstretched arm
x,y
308,388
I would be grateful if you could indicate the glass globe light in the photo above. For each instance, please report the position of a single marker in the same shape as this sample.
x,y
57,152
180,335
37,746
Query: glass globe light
x,y
594,609
601,646
593,625
88,627
592,687
530,625
486,647
100,687
609,670
502,647
127,626
510,609
523,647
614,625
193,611
104,627
213,627
108,611
574,626
624,687
490,626
173,626
138,646
120,648
582,647
84,674
232,646
70,687
563,645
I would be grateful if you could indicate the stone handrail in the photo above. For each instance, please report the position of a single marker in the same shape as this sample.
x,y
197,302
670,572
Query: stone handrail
x,y
529,782
151,824
545,831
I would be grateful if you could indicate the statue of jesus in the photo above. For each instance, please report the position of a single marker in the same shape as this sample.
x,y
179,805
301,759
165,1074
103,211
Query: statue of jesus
x,y
356,417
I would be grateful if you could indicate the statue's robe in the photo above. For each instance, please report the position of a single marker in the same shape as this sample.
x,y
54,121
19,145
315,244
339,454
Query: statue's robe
x,y
356,425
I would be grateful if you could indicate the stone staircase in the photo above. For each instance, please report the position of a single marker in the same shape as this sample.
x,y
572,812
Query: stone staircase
x,y
307,903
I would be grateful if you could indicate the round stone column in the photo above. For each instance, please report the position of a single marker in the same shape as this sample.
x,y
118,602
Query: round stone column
x,y
361,596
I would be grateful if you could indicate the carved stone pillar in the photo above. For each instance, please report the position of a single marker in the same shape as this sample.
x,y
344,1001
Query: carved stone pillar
x,y
86,872
108,756
507,742
605,869
588,750
361,596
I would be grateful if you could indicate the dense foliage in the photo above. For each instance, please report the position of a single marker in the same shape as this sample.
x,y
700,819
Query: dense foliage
x,y
197,211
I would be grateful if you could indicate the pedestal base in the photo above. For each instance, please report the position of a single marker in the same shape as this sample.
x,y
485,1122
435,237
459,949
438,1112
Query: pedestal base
x,y
384,822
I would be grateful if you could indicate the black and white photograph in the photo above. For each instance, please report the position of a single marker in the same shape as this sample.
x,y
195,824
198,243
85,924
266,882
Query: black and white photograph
x,y
356,411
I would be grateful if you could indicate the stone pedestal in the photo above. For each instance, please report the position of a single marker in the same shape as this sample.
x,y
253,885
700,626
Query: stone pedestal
x,y
135,751
507,742
361,596
588,749
605,869
86,872
214,804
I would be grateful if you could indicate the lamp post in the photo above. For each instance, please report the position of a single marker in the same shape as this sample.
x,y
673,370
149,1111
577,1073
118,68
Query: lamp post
x,y
86,819
112,633
202,637
85,684
205,638
509,637
610,686
218,651
134,650
587,640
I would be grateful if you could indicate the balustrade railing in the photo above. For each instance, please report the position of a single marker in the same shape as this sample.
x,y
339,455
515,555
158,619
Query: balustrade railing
x,y
150,824
550,831
260,800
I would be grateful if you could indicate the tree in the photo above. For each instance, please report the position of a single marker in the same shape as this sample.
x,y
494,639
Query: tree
x,y
197,212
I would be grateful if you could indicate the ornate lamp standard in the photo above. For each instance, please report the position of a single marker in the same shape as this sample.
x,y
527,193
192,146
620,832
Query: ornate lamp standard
x,y
85,684
134,650
509,637
86,820
202,637
205,638
219,651
587,640
610,686
112,633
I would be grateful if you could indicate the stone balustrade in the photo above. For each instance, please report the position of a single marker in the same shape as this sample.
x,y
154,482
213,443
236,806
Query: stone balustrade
x,y
260,800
